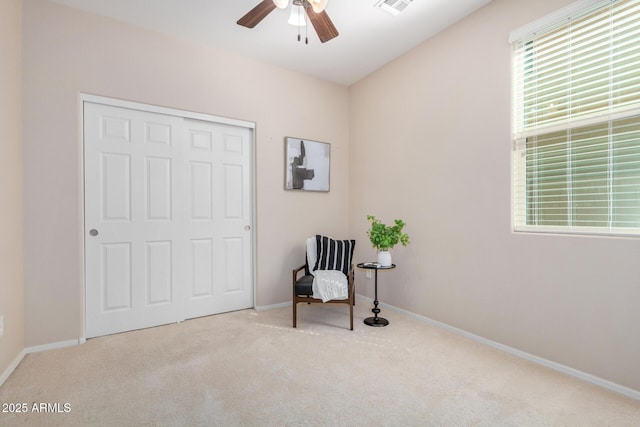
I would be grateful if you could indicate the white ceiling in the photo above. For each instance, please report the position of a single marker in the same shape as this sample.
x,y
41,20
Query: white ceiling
x,y
369,37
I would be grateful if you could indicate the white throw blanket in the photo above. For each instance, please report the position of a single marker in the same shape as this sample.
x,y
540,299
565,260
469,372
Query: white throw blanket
x,y
330,284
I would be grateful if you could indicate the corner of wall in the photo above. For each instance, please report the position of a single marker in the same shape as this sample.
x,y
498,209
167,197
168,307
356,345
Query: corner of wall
x,y
11,255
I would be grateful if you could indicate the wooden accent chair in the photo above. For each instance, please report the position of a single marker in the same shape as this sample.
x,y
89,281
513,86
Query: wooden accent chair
x,y
302,285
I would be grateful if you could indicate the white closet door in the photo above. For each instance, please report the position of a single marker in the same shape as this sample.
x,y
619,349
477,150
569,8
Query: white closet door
x,y
219,218
166,211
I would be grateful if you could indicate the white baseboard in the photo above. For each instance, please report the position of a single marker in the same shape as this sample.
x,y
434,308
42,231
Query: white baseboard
x,y
273,306
53,346
12,367
626,391
36,349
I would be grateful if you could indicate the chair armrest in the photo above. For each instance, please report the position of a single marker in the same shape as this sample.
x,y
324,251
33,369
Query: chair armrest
x,y
295,274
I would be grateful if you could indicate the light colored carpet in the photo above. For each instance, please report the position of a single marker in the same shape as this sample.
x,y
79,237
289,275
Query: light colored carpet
x,y
251,368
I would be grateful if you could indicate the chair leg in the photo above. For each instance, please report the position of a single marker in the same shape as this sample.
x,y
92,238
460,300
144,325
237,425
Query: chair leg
x,y
295,312
351,313
352,297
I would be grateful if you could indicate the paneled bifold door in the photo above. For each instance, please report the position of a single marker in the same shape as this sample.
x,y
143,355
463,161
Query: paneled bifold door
x,y
168,210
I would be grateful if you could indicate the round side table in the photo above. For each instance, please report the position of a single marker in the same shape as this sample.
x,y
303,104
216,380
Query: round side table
x,y
375,320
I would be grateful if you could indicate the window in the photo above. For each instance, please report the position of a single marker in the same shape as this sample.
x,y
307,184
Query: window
x,y
576,120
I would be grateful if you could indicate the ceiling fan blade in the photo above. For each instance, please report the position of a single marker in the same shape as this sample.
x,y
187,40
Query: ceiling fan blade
x,y
257,14
322,24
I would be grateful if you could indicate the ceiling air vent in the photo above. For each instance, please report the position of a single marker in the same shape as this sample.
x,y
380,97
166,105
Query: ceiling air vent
x,y
393,7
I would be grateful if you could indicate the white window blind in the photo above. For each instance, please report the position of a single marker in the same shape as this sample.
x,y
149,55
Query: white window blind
x,y
576,122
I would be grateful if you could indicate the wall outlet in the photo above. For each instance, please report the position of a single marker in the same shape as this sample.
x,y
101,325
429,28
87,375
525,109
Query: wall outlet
x,y
368,274
1,326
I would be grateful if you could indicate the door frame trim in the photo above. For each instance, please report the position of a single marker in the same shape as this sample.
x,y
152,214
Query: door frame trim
x,y
115,102
149,108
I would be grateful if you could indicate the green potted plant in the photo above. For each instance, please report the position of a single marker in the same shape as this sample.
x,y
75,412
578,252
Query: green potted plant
x,y
384,237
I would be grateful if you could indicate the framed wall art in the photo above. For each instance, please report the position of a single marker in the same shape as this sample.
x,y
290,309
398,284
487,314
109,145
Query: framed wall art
x,y
307,164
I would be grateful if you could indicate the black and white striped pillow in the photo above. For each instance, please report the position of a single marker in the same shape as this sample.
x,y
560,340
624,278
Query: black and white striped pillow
x,y
334,254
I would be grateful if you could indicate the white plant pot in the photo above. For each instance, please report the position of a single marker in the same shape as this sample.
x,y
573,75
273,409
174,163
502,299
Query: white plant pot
x,y
384,258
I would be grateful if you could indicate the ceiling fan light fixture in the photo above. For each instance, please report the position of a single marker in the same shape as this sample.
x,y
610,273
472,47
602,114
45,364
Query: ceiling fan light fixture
x,y
296,18
320,22
318,5
282,4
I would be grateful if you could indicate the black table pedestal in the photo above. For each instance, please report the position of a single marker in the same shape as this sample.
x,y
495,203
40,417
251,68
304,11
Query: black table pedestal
x,y
375,320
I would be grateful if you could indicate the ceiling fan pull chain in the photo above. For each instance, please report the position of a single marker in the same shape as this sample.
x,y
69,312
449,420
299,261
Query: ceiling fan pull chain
x,y
298,23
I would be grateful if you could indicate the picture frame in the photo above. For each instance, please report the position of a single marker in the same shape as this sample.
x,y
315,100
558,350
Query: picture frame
x,y
307,165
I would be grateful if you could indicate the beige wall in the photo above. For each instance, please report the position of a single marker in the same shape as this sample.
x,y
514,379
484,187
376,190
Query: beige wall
x,y
11,283
430,133
66,52
426,139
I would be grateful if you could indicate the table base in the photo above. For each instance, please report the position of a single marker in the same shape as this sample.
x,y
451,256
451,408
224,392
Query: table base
x,y
376,321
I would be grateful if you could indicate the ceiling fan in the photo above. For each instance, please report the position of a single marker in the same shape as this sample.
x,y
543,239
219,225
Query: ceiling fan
x,y
313,8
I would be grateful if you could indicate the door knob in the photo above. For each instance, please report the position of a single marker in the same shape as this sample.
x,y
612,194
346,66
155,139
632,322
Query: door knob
x,y
93,232
247,227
